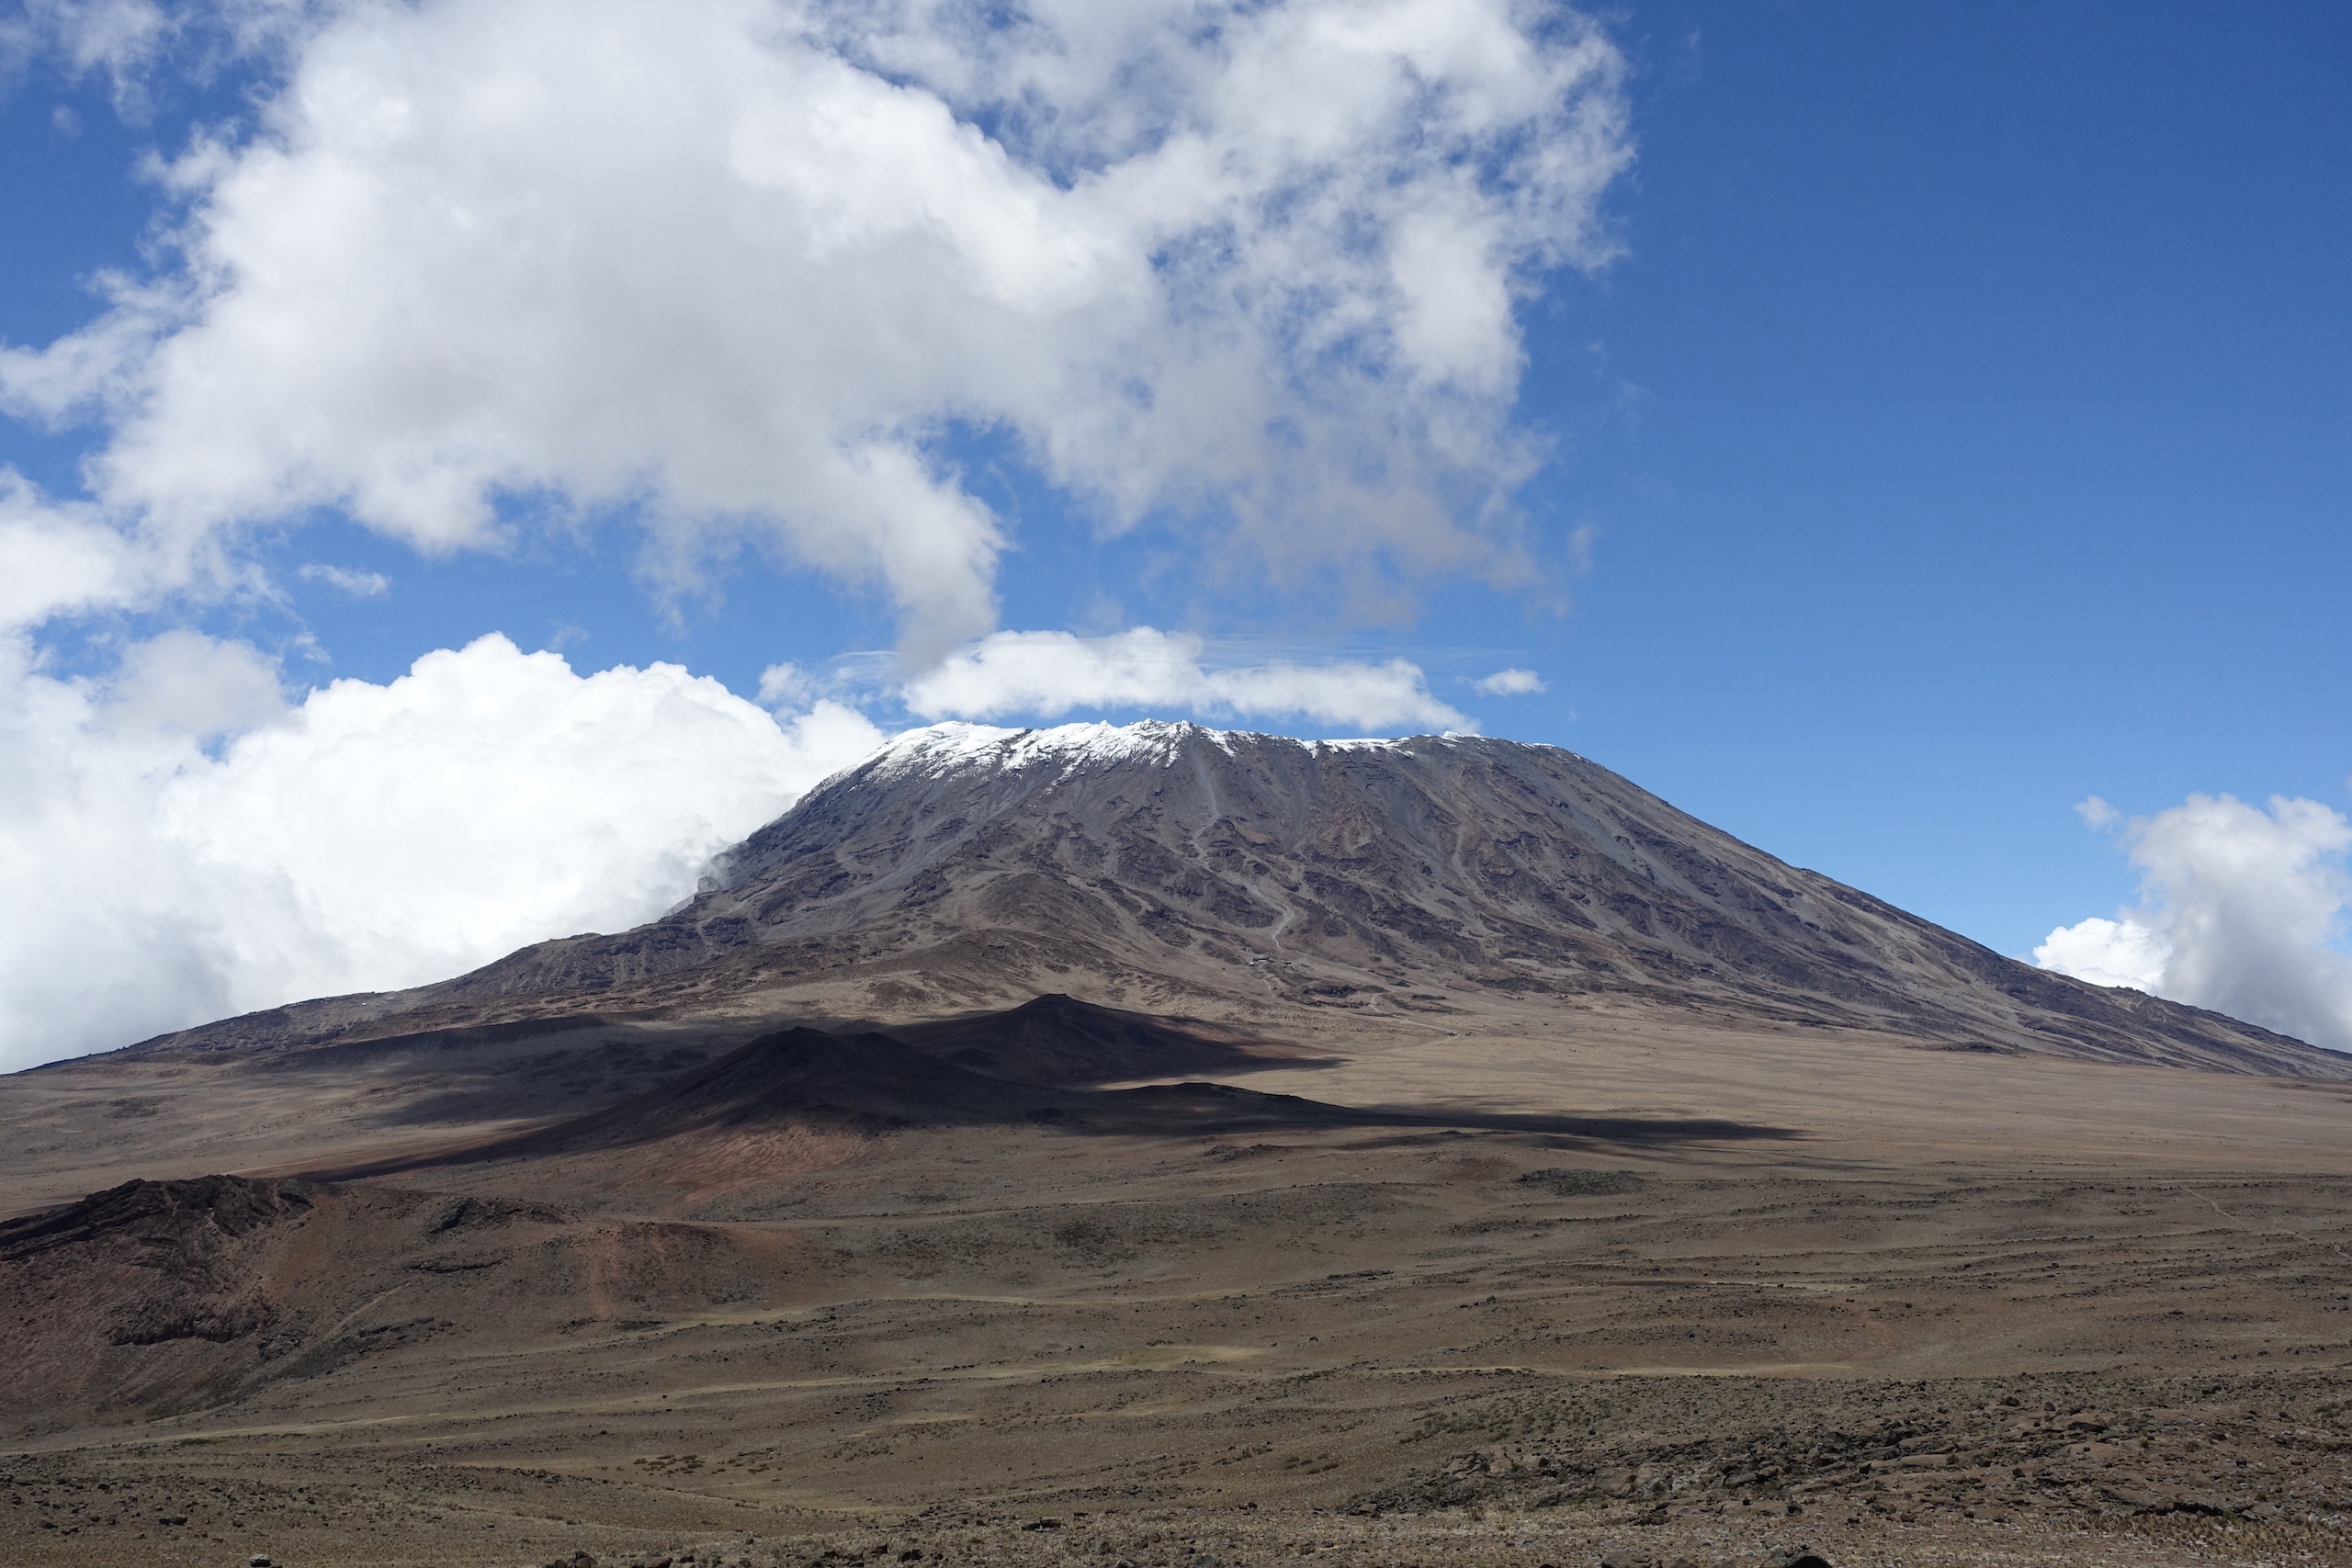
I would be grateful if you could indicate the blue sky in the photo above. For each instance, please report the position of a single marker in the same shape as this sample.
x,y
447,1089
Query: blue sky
x,y
1942,417
1991,444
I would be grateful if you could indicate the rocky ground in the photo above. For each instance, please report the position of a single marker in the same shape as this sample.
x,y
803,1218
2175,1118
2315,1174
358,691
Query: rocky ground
x,y
1015,1345
2161,1472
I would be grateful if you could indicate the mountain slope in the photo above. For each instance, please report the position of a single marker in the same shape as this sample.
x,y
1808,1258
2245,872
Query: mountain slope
x,y
1251,877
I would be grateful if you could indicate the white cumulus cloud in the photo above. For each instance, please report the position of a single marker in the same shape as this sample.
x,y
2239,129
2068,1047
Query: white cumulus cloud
x,y
734,266
59,559
2239,908
1048,674
1511,684
179,844
2130,952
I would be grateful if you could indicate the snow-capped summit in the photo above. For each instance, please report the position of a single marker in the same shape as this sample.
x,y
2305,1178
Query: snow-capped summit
x,y
946,748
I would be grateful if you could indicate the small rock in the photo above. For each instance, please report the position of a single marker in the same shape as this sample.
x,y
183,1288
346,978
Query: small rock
x,y
259,1559
1800,1557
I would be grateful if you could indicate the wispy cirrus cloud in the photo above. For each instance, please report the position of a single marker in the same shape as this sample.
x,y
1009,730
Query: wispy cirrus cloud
x,y
346,579
1513,683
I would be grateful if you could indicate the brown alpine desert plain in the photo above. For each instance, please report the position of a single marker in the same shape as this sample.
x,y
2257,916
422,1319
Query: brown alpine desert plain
x,y
1165,1148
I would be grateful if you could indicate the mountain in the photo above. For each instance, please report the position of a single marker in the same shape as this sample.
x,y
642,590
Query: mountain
x,y
1279,888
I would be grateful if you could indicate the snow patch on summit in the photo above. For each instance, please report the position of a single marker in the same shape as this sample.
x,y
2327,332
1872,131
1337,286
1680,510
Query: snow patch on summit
x,y
1368,743
940,749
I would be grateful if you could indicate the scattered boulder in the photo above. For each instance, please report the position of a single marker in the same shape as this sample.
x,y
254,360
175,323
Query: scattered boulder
x,y
1563,1183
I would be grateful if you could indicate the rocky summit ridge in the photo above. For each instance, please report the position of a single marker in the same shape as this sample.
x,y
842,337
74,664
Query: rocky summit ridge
x,y
1264,881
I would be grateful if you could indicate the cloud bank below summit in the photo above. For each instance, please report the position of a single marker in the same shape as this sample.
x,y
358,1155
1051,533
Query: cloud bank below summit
x,y
367,838
2239,906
